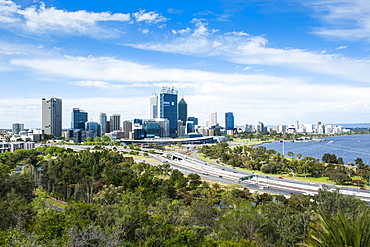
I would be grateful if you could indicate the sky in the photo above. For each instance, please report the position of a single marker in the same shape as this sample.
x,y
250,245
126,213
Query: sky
x,y
270,61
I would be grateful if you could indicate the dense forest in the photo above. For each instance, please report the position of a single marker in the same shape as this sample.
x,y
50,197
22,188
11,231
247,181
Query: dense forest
x,y
113,201
269,161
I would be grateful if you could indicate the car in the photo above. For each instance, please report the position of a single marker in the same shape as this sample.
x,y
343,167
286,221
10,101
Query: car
x,y
280,177
235,172
362,188
220,176
223,169
267,176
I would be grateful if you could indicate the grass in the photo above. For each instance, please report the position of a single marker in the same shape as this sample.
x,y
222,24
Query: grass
x,y
144,158
300,177
44,196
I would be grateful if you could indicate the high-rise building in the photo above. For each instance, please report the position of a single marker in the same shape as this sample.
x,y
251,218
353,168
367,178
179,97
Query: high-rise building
x,y
115,122
168,108
52,116
103,123
212,119
17,127
260,127
183,111
78,119
229,121
296,125
190,127
127,129
94,127
154,106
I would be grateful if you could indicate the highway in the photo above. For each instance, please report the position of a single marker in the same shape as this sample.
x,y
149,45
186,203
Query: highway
x,y
223,174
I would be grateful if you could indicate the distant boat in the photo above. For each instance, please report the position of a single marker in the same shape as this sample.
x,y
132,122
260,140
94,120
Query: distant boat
x,y
330,142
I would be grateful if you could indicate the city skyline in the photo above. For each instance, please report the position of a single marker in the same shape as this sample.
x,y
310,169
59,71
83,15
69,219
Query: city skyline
x,y
269,61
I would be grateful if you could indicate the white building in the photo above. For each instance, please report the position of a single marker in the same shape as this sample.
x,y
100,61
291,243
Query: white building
x,y
154,106
212,119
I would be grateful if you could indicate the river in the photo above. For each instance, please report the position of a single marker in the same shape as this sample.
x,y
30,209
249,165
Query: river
x,y
347,147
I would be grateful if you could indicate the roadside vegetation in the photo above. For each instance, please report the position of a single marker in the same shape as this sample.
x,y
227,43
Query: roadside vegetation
x,y
266,161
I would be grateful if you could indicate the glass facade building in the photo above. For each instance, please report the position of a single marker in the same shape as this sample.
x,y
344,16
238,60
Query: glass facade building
x,y
168,109
151,129
183,111
94,127
78,119
229,121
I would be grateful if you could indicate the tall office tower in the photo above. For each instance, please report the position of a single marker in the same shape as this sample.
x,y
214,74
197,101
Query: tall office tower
x,y
103,123
296,125
260,127
229,121
17,127
126,128
154,106
78,119
168,108
93,127
52,116
183,111
115,122
212,119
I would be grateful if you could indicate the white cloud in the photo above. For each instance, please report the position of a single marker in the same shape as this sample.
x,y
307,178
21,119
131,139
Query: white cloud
x,y
45,20
145,31
7,11
251,97
341,47
99,84
149,17
241,33
112,69
345,19
247,49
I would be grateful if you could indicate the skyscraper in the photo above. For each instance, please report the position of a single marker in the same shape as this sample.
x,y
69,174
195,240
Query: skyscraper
x,y
52,116
17,127
168,108
93,127
115,122
229,121
183,111
154,106
103,123
212,119
78,119
127,129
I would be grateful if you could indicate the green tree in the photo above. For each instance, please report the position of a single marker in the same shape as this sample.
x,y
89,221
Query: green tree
x,y
105,138
333,231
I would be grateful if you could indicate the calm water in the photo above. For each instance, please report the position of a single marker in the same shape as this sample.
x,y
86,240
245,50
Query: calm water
x,y
347,147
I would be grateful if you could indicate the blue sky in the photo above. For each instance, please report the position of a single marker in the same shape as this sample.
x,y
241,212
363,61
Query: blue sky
x,y
269,61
